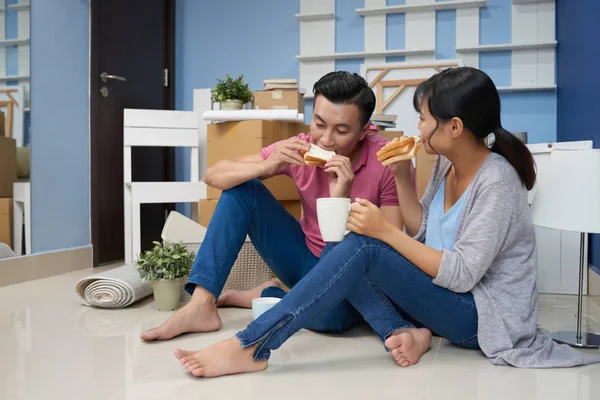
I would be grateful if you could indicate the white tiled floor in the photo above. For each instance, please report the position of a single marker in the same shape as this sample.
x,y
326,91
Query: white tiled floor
x,y
51,347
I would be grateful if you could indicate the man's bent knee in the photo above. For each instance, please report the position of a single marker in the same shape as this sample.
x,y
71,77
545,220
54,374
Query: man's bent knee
x,y
245,188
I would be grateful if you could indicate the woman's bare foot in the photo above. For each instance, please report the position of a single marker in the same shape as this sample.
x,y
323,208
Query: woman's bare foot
x,y
199,315
408,345
224,358
243,298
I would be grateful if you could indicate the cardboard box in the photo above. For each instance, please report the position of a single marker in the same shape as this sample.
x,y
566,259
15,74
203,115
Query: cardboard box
x,y
302,128
423,168
279,100
2,124
423,163
6,221
206,209
8,166
236,139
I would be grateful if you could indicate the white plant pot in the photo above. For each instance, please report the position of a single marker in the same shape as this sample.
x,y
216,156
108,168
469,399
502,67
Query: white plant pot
x,y
167,293
231,105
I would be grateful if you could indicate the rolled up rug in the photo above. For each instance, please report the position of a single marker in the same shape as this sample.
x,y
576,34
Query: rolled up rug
x,y
6,252
117,288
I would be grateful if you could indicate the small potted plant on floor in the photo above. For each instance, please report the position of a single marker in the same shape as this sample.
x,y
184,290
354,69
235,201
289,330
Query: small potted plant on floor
x,y
231,93
166,266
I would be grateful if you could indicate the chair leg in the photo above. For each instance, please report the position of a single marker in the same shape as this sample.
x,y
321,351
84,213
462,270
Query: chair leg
x,y
128,234
18,227
136,228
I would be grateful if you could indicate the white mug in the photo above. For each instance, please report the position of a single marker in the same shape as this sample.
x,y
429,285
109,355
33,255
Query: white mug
x,y
261,305
332,215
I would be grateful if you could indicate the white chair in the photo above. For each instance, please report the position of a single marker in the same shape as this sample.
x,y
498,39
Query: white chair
x,y
157,128
557,251
22,211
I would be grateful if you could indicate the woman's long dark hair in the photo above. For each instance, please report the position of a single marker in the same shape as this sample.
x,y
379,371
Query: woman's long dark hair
x,y
469,94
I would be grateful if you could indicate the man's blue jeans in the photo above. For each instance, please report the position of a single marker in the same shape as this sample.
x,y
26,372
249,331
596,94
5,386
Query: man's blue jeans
x,y
336,276
250,209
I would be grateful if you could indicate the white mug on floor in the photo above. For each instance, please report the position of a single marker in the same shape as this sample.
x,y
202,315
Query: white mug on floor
x,y
261,305
332,214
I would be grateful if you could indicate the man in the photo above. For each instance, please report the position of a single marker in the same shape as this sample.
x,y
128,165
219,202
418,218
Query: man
x,y
343,106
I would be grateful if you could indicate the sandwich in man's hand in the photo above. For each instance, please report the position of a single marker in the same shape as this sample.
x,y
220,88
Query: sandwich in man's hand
x,y
405,148
317,157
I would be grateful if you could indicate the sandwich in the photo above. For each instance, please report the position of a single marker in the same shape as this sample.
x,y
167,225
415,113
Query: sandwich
x,y
404,149
316,156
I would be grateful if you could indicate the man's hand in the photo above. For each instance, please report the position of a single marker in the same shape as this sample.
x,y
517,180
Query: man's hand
x,y
367,219
286,153
341,176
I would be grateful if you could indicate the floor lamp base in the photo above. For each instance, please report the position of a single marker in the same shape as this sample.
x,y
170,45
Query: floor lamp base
x,y
587,340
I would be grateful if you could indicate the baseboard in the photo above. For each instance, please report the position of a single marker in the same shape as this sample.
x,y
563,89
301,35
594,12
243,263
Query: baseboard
x,y
44,265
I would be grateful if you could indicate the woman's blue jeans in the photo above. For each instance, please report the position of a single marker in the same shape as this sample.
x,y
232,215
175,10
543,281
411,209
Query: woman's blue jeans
x,y
360,264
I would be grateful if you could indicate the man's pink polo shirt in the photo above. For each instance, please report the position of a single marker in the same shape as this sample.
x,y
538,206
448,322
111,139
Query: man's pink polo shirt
x,y
372,181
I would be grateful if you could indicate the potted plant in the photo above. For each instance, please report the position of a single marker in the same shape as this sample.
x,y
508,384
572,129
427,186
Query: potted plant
x,y
231,93
166,266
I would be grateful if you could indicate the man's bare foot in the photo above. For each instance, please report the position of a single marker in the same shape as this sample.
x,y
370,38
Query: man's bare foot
x,y
199,315
243,298
224,358
408,345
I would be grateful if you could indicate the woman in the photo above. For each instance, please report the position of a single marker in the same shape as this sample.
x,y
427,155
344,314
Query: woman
x,y
466,266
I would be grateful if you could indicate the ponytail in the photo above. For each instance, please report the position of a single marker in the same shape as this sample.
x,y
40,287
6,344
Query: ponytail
x,y
517,154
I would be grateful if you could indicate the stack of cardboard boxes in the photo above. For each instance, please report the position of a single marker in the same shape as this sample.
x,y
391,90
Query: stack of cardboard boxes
x,y
8,176
230,140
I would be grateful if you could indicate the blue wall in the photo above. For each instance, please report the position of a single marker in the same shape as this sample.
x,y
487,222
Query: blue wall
x,y
60,165
257,38
263,39
579,80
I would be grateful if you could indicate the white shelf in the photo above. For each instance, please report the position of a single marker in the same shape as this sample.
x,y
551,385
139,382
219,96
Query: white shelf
x,y
509,46
5,78
531,1
20,7
315,16
508,89
13,42
363,54
446,5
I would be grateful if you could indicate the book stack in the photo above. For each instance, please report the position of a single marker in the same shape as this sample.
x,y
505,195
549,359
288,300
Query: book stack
x,y
383,121
280,84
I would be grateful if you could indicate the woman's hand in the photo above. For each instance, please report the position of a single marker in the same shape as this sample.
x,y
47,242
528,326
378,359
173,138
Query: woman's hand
x,y
367,219
400,169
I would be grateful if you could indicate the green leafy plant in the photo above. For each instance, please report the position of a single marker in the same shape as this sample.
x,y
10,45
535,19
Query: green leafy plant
x,y
166,260
231,89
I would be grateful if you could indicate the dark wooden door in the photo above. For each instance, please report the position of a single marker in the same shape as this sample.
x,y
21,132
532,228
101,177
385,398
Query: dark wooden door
x,y
133,40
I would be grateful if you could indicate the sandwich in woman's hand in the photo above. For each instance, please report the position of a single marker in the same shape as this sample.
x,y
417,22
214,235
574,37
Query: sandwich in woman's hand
x,y
317,157
405,148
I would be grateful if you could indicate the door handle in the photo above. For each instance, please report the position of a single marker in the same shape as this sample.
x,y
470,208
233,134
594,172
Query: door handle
x,y
104,77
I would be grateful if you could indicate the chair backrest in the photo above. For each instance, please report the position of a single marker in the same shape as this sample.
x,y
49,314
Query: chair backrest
x,y
160,128
541,154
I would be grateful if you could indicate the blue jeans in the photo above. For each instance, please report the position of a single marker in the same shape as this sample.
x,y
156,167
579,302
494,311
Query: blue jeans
x,y
356,259
250,209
